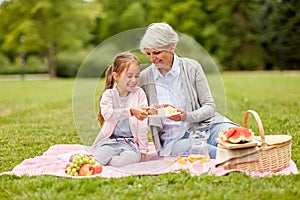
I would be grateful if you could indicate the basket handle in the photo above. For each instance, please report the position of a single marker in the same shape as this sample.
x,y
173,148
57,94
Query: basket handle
x,y
259,124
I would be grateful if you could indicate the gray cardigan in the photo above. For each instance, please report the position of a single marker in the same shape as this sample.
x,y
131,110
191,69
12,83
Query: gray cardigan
x,y
200,108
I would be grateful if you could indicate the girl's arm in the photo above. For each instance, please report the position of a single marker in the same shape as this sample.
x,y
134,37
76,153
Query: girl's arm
x,y
139,113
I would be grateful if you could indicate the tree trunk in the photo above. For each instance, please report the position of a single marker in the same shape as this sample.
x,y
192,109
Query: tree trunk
x,y
50,56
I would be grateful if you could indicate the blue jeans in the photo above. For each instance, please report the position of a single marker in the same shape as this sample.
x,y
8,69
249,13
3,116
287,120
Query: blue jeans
x,y
182,145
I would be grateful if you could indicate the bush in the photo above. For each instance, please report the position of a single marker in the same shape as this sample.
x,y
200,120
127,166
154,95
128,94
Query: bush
x,y
6,67
68,63
35,65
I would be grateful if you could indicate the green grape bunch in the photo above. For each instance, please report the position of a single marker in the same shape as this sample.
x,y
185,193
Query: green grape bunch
x,y
82,165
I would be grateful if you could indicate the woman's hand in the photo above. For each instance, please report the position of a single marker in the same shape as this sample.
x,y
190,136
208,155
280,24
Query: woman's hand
x,y
139,113
181,116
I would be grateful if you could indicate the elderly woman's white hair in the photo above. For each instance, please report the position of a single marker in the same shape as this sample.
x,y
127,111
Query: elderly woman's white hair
x,y
159,36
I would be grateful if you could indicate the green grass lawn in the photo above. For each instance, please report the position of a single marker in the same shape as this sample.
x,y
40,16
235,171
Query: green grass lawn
x,y
35,115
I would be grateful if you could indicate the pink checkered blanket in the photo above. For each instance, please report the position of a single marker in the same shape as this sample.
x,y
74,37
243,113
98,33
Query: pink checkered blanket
x,y
55,159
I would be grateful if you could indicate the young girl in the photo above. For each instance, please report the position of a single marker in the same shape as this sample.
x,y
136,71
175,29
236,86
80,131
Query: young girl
x,y
123,138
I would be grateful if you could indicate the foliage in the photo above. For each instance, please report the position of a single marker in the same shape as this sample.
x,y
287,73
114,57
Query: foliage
x,y
240,35
4,63
34,64
118,16
279,22
241,44
34,117
68,62
45,27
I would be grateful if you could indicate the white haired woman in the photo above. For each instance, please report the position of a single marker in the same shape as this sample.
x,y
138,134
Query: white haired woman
x,y
180,82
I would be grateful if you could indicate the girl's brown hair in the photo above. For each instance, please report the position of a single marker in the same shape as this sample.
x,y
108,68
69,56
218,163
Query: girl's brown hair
x,y
120,64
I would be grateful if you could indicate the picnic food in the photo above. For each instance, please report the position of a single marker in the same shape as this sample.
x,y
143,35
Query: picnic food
x,y
195,157
167,109
86,170
237,135
181,160
82,165
152,110
98,168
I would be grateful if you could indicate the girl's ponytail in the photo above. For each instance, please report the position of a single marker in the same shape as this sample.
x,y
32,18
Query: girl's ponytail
x,y
109,84
109,80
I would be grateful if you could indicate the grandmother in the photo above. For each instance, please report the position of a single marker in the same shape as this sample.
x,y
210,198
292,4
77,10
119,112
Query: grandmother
x,y
180,82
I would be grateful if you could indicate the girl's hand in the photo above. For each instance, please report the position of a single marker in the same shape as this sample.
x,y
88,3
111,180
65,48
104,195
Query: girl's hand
x,y
144,157
139,113
180,116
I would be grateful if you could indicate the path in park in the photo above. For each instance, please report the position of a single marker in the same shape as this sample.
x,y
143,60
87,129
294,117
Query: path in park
x,y
17,77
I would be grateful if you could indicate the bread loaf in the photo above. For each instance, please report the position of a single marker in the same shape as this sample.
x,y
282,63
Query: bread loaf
x,y
169,110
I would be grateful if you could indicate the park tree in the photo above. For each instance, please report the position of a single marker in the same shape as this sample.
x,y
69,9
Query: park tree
x,y
46,27
260,34
239,34
187,17
225,29
279,22
238,47
119,16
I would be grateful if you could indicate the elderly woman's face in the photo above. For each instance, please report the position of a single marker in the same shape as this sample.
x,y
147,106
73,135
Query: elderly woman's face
x,y
161,58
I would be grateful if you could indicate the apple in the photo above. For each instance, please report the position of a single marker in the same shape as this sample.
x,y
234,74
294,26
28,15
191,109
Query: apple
x,y
86,170
97,168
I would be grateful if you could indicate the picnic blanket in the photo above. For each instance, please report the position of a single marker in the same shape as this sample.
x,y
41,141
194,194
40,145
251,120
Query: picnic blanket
x,y
54,160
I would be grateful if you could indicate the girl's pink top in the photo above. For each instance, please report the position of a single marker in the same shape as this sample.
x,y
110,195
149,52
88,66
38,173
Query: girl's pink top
x,y
112,112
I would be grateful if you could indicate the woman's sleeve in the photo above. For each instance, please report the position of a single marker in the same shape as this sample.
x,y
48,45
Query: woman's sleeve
x,y
204,102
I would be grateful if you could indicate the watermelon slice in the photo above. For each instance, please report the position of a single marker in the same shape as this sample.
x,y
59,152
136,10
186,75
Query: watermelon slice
x,y
237,135
225,135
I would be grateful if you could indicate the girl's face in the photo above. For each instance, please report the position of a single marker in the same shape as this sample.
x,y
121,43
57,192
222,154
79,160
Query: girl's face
x,y
161,58
128,79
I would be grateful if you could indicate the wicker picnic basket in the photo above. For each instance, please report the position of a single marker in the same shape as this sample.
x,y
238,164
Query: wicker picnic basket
x,y
274,150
